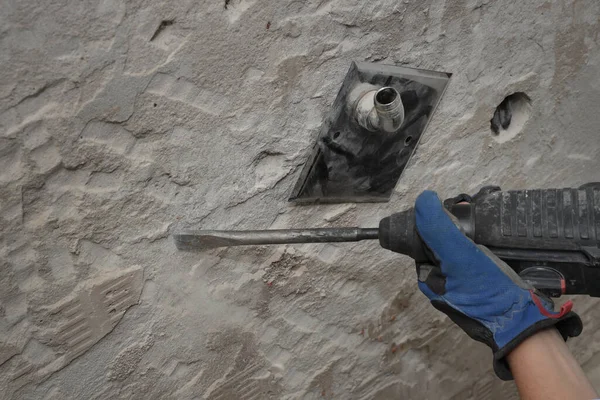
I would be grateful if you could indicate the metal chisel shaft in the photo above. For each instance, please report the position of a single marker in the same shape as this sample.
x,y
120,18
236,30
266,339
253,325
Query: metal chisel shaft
x,y
204,240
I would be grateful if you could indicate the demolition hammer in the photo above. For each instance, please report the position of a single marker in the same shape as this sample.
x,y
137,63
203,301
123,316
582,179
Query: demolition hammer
x,y
550,237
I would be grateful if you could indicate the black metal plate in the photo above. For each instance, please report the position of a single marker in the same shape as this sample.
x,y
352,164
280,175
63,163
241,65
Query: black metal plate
x,y
350,164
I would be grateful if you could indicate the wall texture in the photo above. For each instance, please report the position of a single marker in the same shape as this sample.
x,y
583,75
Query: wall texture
x,y
122,121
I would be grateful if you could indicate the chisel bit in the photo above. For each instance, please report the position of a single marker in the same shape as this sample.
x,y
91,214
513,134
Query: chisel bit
x,y
204,240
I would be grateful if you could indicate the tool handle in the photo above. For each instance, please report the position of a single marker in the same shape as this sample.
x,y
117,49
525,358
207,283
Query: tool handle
x,y
550,230
550,219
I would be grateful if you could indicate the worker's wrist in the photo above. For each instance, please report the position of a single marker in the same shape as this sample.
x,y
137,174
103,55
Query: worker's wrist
x,y
545,333
540,339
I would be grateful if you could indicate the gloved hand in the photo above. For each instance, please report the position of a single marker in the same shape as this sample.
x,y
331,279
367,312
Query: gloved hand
x,y
478,291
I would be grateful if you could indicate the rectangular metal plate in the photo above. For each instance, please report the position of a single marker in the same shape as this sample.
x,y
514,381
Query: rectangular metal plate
x,y
351,164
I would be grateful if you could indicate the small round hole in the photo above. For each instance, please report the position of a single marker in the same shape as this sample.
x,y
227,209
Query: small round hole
x,y
386,95
408,140
155,104
336,135
510,116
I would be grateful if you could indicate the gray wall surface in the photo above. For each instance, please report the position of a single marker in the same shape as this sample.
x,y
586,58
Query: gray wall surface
x,y
123,121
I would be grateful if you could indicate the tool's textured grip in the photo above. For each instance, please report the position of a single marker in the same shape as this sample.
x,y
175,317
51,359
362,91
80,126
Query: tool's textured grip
x,y
549,225
549,219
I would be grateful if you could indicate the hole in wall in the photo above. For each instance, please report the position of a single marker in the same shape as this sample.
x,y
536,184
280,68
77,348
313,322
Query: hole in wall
x,y
510,116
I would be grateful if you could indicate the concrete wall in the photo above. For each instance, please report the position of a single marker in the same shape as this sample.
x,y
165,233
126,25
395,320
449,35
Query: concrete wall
x,y
121,122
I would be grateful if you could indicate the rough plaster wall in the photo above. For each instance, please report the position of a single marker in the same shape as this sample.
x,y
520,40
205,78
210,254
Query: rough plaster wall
x,y
114,133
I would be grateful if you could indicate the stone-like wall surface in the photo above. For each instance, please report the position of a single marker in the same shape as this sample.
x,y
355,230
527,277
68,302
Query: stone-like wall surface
x,y
124,121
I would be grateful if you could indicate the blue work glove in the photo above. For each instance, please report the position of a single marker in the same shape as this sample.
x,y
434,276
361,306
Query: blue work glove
x,y
478,291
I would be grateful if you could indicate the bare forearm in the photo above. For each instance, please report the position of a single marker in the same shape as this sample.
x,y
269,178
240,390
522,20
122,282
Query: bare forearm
x,y
544,368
